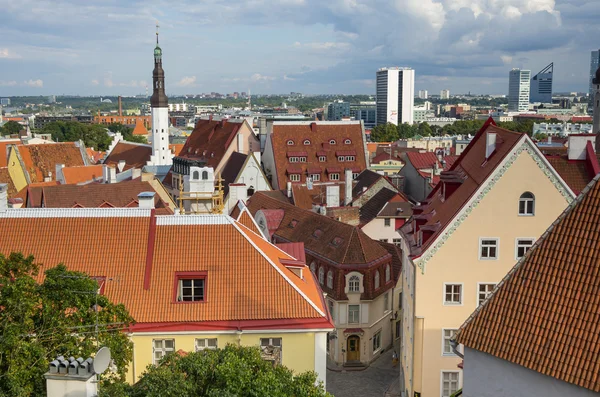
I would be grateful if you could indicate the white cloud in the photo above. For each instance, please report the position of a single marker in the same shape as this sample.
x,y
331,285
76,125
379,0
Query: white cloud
x,y
34,83
94,82
323,46
187,81
10,83
506,59
5,53
260,77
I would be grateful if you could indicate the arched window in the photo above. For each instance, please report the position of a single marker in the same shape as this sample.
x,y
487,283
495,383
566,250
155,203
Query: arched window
x,y
290,142
313,267
527,204
204,175
321,276
332,142
195,175
388,274
330,279
347,141
306,142
376,279
354,284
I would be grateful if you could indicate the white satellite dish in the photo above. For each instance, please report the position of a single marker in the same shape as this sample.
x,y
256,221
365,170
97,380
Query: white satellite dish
x,y
101,360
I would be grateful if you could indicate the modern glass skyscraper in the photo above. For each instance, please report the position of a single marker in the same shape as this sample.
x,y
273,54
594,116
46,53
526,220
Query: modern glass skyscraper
x,y
541,85
594,64
518,90
395,90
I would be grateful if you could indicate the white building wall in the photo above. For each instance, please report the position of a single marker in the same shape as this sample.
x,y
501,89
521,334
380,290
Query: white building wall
x,y
377,230
408,96
321,356
487,376
161,155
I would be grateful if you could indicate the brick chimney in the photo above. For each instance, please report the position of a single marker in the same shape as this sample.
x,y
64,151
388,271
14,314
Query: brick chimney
x,y
120,106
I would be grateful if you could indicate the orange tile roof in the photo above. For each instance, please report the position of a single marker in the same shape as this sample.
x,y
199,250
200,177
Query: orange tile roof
x,y
139,129
544,314
4,150
5,178
74,175
136,155
246,283
40,160
94,155
176,148
319,134
245,218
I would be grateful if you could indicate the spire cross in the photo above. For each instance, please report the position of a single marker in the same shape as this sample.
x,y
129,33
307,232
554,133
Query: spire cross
x,y
157,32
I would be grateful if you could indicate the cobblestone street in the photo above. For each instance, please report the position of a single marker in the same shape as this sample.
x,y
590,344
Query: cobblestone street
x,y
371,382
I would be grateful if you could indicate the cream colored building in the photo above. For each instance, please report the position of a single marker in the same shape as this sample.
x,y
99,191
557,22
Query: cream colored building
x,y
484,214
429,144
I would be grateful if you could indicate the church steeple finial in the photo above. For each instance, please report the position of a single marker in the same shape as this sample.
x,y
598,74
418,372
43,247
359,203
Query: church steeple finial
x,y
157,32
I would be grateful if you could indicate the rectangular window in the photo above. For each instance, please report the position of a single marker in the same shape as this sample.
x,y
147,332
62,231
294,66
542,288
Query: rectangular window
x,y
447,334
353,314
453,294
191,290
523,245
377,341
204,344
322,159
293,159
271,349
398,329
383,240
331,309
315,177
484,291
354,175
488,248
302,159
295,177
387,222
334,177
397,242
340,158
386,302
161,347
449,383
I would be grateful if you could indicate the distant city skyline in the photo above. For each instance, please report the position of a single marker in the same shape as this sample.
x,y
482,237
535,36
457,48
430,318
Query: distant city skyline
x,y
103,48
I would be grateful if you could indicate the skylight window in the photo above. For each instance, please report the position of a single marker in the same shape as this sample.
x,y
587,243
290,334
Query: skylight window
x,y
293,223
317,233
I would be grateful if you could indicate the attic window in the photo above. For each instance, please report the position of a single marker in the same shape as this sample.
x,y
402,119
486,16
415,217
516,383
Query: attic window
x,y
347,142
317,233
290,142
293,223
190,287
332,142
306,142
336,241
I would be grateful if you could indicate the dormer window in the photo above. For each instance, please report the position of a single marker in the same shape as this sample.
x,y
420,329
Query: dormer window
x,y
336,241
306,142
347,142
293,223
317,233
322,159
341,158
354,284
290,143
332,141
302,159
191,287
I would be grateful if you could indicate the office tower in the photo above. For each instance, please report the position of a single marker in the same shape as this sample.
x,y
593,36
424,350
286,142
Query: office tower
x,y
594,64
518,90
445,94
338,110
423,94
541,85
395,89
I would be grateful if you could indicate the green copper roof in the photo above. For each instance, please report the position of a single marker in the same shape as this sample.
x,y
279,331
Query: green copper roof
x,y
157,51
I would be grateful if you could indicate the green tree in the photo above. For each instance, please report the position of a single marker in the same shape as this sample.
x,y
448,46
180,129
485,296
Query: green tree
x,y
92,135
127,133
385,133
407,130
425,129
11,127
39,322
540,136
232,371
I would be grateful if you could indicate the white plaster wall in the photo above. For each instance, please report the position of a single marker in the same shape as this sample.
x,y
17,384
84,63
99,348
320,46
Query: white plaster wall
x,y
377,230
487,376
321,356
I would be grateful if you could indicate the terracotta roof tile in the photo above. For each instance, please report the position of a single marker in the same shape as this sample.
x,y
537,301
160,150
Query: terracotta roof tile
x,y
319,134
94,155
383,156
74,175
423,160
40,160
4,143
371,208
544,314
136,155
5,178
139,129
574,173
244,274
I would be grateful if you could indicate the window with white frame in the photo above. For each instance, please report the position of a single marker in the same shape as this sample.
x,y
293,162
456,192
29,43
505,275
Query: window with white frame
x,y
271,349
341,158
397,242
447,335
161,347
293,159
347,142
453,294
302,159
332,142
321,276
334,177
306,142
295,177
354,284
484,291
388,273
523,245
322,159
354,175
386,302
488,248
353,314
350,158
290,142
190,290
315,177
449,383
330,279
376,341
376,277
387,222
527,204
206,344
383,240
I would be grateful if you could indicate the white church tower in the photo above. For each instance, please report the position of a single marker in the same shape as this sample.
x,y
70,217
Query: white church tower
x,y
161,155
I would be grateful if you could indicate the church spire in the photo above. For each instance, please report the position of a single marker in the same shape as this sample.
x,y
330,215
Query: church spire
x,y
159,98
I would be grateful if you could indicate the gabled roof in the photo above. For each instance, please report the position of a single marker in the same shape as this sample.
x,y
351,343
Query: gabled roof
x,y
232,169
319,134
365,180
544,314
383,156
92,195
339,242
424,160
136,155
40,160
371,208
79,174
4,150
139,129
94,155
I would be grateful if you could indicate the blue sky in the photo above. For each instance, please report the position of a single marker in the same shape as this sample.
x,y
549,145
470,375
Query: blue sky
x,y
104,47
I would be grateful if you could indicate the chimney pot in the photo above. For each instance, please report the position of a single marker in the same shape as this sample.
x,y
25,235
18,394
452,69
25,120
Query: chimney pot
x,y
146,200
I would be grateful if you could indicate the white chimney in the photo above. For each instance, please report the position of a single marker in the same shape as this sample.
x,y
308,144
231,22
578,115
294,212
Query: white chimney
x,y
240,142
490,144
577,145
348,187
289,189
333,196
109,174
3,197
121,165
146,200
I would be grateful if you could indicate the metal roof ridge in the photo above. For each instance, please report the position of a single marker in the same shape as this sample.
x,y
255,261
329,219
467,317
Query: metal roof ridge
x,y
75,212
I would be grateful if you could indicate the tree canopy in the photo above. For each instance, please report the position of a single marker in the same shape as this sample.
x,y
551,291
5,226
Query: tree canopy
x,y
10,127
127,133
92,135
39,322
232,371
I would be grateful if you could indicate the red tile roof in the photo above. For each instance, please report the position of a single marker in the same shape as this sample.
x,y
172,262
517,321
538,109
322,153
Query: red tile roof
x,y
544,314
423,160
94,155
5,178
139,129
247,285
319,134
383,156
136,155
40,160
4,150
74,175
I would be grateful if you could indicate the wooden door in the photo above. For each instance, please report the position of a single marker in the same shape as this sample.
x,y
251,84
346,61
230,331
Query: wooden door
x,y
353,348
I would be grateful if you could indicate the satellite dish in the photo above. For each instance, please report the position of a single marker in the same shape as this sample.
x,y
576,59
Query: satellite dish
x,y
101,360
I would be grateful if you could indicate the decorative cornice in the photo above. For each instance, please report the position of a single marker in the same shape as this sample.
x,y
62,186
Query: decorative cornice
x,y
526,146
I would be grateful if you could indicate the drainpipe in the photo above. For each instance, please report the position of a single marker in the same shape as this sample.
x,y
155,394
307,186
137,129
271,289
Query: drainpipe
x,y
239,333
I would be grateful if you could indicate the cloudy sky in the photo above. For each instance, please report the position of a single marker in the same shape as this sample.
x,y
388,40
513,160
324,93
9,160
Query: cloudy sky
x,y
104,47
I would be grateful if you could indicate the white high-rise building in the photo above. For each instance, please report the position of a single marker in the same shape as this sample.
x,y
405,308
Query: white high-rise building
x,y
445,94
594,65
161,155
395,90
519,82
422,94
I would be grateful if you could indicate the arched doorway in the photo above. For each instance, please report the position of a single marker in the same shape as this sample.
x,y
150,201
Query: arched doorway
x,y
353,349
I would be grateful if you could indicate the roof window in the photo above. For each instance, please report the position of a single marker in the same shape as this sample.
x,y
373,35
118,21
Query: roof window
x,y
293,223
290,142
332,142
317,233
306,142
347,142
337,241
190,287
